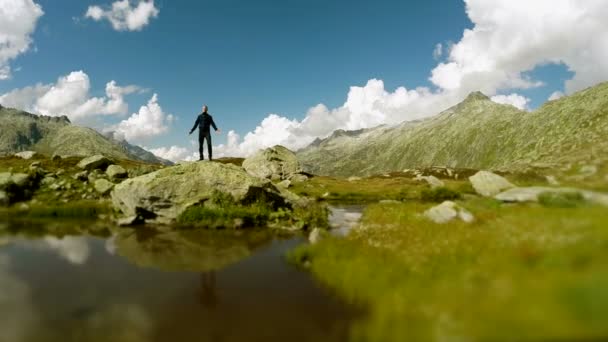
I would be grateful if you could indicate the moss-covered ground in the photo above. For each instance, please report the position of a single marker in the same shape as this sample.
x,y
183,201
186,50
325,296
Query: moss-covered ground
x,y
519,272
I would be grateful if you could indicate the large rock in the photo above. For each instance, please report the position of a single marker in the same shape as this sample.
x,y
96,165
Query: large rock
x,y
116,172
448,211
532,194
273,163
103,186
96,162
26,154
166,193
16,186
489,184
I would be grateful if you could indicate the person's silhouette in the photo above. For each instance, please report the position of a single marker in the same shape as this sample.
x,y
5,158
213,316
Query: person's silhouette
x,y
204,122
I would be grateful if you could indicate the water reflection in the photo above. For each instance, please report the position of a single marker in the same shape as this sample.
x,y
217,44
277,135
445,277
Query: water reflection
x,y
142,285
194,251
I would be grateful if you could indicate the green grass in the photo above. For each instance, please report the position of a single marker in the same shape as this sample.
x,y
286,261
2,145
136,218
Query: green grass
x,y
439,195
519,272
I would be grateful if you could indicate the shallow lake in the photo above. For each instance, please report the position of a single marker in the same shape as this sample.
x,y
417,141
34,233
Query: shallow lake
x,y
140,285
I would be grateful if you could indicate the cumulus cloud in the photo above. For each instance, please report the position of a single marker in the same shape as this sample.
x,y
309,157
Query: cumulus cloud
x,y
149,121
19,18
515,100
555,96
123,16
508,40
173,153
69,96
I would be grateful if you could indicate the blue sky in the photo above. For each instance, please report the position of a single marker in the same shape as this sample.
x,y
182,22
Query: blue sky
x,y
248,59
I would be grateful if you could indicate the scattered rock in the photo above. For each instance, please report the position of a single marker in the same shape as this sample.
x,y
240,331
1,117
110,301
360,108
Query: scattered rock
x,y
390,202
489,184
116,172
4,200
96,162
448,211
163,195
103,186
284,184
275,161
317,235
48,181
298,178
26,154
433,181
35,164
588,170
552,180
354,179
532,194
81,176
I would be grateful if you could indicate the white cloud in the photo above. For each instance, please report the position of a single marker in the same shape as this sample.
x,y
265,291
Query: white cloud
x,y
172,153
509,39
515,100
69,96
125,17
438,52
19,18
555,96
149,122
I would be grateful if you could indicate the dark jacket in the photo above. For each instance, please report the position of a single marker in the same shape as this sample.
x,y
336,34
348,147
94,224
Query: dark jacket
x,y
204,121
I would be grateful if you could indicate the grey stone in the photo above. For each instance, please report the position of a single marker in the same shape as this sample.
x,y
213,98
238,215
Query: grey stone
x,y
166,193
4,200
284,184
448,211
354,179
489,184
103,187
95,162
116,172
433,181
48,181
532,194
82,176
316,236
277,162
298,178
26,154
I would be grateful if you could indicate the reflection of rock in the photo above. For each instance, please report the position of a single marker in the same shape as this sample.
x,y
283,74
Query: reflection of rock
x,y
72,248
193,251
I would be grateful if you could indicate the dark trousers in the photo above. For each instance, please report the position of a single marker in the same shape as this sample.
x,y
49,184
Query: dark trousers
x,y
201,137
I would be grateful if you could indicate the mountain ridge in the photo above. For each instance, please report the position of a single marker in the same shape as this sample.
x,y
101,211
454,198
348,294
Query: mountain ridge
x,y
476,133
57,135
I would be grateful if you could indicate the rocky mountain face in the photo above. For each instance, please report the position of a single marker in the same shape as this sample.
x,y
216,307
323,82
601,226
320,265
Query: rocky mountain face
x,y
21,131
475,134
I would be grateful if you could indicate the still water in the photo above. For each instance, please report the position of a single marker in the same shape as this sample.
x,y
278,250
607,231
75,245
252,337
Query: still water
x,y
139,285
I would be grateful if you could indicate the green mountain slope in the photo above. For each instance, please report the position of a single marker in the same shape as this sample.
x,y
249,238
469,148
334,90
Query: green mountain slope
x,y
477,134
20,131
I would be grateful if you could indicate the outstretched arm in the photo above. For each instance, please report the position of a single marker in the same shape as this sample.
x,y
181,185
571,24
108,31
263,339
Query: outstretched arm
x,y
198,118
213,125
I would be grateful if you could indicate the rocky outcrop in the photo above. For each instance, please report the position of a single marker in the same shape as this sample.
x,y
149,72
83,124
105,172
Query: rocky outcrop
x,y
163,195
103,186
277,163
533,194
96,162
15,187
115,172
26,154
448,211
489,184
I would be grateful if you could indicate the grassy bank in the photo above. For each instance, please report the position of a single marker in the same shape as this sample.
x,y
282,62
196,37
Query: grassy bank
x,y
519,272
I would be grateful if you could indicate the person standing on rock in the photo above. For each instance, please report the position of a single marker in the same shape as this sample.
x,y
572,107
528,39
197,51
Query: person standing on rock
x,y
204,122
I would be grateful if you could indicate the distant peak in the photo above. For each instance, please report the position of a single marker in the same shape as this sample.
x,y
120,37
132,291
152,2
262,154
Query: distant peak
x,y
477,96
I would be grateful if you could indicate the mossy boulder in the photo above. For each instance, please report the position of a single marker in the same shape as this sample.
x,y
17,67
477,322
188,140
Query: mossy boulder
x,y
489,184
116,172
163,195
96,162
277,163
